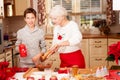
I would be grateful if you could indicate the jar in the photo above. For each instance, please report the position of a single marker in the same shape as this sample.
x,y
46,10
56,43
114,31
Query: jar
x,y
9,10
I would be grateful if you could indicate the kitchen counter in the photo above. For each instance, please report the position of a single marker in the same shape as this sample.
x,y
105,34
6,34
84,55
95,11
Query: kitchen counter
x,y
88,36
85,36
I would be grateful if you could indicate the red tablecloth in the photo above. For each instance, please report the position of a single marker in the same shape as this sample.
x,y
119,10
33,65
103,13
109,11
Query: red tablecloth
x,y
113,75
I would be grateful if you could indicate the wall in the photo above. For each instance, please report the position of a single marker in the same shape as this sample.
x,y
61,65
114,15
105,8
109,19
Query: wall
x,y
13,24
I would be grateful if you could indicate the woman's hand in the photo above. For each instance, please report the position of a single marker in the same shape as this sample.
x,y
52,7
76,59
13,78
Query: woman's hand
x,y
64,43
54,48
48,53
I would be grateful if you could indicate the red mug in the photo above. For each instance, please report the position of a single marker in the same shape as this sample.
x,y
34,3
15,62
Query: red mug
x,y
23,50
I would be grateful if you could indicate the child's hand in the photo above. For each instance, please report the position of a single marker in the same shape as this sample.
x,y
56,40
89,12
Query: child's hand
x,y
36,58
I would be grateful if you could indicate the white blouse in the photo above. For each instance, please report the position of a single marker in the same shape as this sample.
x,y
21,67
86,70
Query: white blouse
x,y
69,32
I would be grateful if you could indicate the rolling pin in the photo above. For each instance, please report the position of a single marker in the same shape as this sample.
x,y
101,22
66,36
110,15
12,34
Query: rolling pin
x,y
46,55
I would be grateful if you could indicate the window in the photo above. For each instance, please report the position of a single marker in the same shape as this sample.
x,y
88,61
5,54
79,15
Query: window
x,y
65,3
90,5
88,19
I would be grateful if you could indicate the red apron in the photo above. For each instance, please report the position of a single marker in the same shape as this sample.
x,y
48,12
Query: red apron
x,y
73,58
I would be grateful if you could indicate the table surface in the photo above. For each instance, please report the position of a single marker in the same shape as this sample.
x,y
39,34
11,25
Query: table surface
x,y
38,74
19,76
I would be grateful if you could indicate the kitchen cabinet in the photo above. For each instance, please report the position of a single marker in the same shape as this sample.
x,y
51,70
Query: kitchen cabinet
x,y
15,7
2,57
20,6
85,51
53,58
1,8
8,57
16,58
98,52
112,41
8,8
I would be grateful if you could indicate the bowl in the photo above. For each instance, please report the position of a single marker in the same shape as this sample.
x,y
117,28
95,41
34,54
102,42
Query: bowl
x,y
44,65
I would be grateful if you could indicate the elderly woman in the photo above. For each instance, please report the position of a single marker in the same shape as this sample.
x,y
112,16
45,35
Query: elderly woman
x,y
66,39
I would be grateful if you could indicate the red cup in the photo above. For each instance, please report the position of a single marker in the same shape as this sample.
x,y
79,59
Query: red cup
x,y
23,50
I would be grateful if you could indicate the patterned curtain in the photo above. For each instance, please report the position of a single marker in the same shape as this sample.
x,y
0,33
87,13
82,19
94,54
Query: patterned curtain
x,y
110,13
41,12
31,3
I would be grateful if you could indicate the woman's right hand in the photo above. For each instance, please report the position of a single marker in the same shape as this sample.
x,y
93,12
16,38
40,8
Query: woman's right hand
x,y
49,52
54,48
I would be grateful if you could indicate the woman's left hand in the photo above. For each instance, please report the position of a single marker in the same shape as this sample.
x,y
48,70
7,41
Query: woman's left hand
x,y
64,43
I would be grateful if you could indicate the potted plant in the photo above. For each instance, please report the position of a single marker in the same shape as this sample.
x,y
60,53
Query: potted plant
x,y
114,52
102,25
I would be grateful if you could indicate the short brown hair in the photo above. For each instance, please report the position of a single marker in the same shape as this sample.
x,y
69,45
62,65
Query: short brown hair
x,y
29,10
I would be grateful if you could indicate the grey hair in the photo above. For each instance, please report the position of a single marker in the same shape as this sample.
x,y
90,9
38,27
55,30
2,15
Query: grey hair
x,y
58,10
